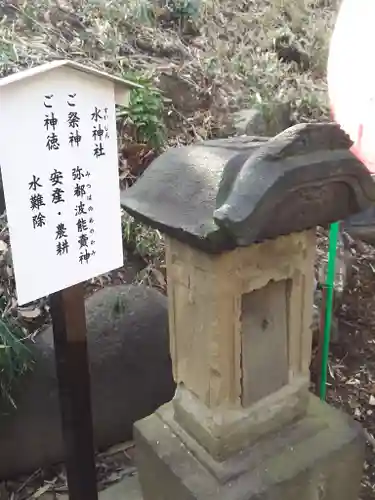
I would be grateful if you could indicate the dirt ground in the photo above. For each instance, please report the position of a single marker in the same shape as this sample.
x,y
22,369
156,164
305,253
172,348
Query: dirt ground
x,y
351,370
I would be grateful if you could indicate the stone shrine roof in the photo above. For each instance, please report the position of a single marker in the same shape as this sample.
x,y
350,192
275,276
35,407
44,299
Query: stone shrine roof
x,y
221,194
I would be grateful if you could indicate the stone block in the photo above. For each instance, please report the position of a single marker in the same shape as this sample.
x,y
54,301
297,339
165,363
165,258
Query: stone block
x,y
131,375
317,457
254,121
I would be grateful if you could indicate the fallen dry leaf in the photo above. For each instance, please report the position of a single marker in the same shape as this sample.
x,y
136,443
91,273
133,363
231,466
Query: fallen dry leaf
x,y
3,247
43,489
30,314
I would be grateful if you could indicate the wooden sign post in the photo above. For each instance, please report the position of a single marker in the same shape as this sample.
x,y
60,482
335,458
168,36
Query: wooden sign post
x,y
72,367
58,157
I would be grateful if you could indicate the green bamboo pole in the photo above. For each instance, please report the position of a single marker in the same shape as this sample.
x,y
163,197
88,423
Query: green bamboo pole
x,y
332,250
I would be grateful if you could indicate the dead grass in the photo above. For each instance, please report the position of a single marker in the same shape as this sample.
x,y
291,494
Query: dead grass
x,y
232,60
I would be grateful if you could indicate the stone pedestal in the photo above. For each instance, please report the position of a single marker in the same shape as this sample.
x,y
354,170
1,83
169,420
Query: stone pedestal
x,y
319,457
240,222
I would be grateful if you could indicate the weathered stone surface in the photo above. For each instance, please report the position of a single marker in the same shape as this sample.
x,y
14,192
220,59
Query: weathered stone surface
x,y
320,456
218,195
177,192
308,187
253,121
250,122
224,430
131,376
185,96
225,312
126,489
362,226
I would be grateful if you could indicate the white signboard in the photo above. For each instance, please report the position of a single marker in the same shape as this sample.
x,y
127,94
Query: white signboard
x,y
58,157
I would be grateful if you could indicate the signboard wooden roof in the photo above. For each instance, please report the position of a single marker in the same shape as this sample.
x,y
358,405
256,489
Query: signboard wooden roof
x,y
122,86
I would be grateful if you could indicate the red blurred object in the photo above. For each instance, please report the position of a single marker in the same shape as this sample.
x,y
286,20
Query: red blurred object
x,y
351,76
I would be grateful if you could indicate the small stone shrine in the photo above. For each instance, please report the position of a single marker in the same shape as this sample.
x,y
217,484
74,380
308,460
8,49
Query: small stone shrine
x,y
239,217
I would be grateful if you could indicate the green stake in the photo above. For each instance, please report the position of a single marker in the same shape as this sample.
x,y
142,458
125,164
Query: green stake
x,y
333,237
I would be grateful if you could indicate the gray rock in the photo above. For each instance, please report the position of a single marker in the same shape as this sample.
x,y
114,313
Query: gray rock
x,y
362,226
254,121
185,96
249,122
131,376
